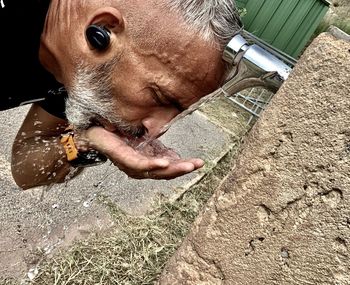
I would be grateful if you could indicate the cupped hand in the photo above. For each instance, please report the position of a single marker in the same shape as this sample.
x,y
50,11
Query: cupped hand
x,y
154,161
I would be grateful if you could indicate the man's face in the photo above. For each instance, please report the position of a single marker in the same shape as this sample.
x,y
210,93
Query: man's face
x,y
155,78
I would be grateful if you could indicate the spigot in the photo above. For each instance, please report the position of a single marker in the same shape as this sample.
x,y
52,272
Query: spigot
x,y
252,66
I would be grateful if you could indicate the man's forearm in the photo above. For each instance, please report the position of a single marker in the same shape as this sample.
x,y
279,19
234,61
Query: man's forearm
x,y
38,161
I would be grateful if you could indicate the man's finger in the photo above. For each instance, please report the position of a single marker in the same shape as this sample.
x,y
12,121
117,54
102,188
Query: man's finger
x,y
171,172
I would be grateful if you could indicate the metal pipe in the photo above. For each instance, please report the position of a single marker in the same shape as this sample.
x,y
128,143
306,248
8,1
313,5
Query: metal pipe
x,y
252,66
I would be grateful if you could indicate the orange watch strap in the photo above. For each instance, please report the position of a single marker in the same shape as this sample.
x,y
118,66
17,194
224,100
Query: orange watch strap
x,y
69,146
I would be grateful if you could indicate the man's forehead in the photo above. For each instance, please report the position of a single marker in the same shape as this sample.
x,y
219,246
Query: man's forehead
x,y
184,52
189,60
194,66
192,75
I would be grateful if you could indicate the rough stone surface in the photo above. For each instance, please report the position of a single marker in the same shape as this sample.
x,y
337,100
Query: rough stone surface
x,y
282,216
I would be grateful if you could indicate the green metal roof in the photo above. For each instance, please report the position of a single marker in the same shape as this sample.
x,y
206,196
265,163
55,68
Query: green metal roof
x,y
326,2
284,24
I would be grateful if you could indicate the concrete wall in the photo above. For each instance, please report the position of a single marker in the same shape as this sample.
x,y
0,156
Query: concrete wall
x,y
282,216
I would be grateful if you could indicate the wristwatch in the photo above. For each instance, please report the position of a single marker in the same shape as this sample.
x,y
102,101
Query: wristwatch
x,y
79,158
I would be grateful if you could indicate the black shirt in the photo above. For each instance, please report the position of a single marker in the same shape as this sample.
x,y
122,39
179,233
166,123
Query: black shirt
x,y
23,77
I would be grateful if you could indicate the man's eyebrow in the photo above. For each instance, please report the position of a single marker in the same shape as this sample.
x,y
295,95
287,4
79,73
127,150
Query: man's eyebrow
x,y
172,100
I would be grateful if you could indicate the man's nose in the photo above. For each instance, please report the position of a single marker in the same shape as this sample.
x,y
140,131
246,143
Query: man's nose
x,y
156,120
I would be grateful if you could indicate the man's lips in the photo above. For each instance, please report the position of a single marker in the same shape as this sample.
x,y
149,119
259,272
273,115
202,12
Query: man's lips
x,y
114,129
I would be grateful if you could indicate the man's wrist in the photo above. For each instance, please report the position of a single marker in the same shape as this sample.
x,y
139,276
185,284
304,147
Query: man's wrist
x,y
78,152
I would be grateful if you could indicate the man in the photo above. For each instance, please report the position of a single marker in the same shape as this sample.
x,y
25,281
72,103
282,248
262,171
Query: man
x,y
128,67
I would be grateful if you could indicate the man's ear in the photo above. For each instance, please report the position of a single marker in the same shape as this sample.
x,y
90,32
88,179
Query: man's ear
x,y
109,18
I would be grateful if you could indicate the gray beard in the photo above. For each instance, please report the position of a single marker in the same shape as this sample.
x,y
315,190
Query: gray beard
x,y
91,100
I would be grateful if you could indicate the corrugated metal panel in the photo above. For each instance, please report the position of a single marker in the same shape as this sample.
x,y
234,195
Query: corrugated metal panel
x,y
253,8
241,3
266,12
274,28
285,24
306,29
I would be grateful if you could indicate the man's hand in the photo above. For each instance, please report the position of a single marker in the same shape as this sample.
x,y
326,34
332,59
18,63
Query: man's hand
x,y
154,161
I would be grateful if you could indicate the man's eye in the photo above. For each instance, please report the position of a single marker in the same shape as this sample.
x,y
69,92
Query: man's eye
x,y
158,98
161,99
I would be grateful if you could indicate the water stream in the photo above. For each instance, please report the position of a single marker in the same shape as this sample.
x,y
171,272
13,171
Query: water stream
x,y
206,99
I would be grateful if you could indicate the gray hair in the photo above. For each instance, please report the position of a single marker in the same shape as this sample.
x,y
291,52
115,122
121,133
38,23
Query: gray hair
x,y
215,20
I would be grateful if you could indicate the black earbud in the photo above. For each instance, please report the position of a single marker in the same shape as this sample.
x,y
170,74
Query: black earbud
x,y
98,37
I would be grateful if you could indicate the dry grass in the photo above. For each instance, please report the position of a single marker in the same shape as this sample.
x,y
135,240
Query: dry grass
x,y
136,251
7,281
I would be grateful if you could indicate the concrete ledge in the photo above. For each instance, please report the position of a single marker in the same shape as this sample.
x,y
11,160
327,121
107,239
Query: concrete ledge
x,y
282,216
338,33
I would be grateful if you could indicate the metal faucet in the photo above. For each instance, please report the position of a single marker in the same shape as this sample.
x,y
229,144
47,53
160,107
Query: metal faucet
x,y
252,66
